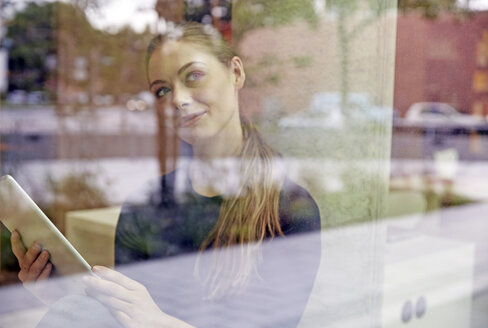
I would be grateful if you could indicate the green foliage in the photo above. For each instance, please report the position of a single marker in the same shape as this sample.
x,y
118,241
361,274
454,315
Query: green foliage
x,y
303,61
250,14
9,262
347,6
446,198
61,31
36,34
429,8
273,79
32,33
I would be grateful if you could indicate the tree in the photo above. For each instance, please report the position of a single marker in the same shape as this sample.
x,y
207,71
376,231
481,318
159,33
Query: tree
x,y
31,34
50,41
346,9
252,14
429,8
348,31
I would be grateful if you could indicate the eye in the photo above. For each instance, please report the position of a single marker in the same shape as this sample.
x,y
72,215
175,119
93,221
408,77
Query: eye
x,y
194,76
161,92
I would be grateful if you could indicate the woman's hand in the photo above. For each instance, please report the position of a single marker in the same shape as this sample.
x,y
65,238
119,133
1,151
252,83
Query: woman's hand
x,y
35,269
34,263
129,301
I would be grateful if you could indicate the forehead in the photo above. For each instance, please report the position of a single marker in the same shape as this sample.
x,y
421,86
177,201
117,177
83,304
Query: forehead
x,y
166,60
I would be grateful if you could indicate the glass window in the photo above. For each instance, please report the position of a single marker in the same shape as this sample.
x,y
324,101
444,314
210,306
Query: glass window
x,y
262,163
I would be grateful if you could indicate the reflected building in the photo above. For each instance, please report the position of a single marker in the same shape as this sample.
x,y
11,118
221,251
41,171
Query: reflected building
x,y
442,60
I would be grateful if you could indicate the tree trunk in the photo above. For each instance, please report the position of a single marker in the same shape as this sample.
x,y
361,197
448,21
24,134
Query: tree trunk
x,y
344,46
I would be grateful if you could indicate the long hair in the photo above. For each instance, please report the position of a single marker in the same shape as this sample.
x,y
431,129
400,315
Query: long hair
x,y
249,217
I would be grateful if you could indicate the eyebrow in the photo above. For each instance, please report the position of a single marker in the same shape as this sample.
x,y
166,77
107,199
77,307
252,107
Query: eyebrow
x,y
182,68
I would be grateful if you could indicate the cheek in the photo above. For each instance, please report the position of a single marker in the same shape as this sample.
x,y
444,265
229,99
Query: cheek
x,y
217,97
206,96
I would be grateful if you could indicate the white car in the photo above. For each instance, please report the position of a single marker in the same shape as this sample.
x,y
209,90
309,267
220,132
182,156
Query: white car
x,y
325,112
322,113
437,113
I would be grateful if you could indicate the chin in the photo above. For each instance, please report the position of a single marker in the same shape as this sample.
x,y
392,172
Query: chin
x,y
194,135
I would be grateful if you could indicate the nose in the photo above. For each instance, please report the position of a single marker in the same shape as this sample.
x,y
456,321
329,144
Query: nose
x,y
181,97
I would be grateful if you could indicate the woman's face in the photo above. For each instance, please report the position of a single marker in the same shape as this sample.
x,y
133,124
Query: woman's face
x,y
193,85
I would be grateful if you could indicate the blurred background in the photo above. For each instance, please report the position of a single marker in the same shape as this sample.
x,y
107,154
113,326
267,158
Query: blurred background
x,y
379,109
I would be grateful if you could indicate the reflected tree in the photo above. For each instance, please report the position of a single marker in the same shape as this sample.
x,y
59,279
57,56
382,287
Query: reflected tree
x,y
54,48
32,42
430,8
252,14
349,28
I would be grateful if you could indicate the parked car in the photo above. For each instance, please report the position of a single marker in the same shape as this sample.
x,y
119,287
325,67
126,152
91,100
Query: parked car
x,y
325,112
440,114
321,114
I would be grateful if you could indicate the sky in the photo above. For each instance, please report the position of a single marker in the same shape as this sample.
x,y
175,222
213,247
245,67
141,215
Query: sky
x,y
113,14
116,13
475,4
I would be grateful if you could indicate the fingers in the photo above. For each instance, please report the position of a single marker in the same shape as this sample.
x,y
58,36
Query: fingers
x,y
113,303
17,246
107,288
113,296
39,264
30,256
34,264
123,318
116,277
46,272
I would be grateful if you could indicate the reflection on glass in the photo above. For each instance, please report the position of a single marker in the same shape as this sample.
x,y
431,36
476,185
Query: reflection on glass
x,y
230,207
438,186
88,140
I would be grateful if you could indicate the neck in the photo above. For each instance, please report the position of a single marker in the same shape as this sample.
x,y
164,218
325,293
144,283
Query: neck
x,y
215,160
227,143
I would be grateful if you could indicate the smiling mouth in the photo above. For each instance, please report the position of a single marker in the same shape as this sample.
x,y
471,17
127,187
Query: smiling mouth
x,y
190,119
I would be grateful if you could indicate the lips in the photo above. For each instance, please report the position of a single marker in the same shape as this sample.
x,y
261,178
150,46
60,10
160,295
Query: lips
x,y
190,119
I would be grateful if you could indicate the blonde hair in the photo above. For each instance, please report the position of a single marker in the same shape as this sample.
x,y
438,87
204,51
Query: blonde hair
x,y
246,219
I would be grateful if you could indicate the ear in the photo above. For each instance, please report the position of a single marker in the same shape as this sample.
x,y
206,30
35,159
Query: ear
x,y
238,74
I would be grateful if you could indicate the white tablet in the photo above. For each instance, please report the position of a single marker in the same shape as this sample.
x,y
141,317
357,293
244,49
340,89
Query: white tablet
x,y
19,212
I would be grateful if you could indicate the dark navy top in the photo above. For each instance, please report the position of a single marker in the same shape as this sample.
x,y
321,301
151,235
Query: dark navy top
x,y
161,228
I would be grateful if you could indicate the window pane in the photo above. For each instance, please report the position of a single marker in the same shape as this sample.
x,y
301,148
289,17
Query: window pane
x,y
246,163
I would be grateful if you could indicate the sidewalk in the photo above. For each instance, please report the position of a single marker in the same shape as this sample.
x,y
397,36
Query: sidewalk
x,y
470,179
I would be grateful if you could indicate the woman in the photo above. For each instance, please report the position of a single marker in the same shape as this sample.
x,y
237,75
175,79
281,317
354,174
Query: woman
x,y
230,204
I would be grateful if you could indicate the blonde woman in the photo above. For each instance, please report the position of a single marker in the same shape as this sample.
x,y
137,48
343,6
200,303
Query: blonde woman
x,y
230,204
